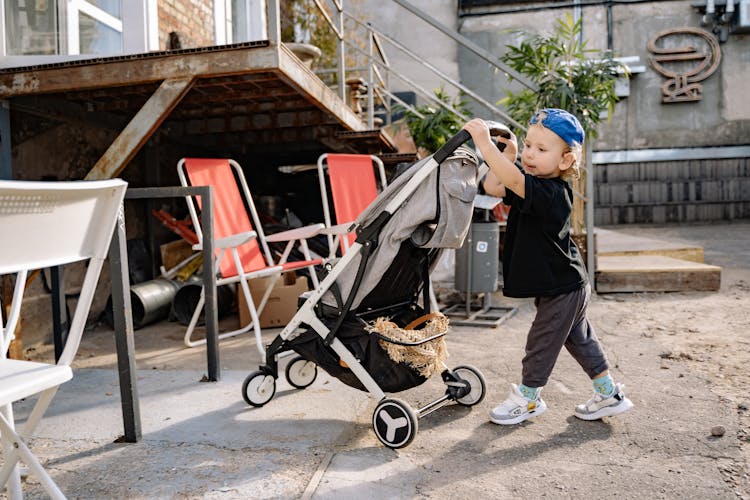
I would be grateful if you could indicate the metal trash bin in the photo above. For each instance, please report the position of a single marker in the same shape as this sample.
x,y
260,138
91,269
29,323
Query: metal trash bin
x,y
476,271
476,267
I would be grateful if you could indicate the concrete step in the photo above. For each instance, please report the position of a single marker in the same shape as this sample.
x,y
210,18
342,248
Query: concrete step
x,y
626,263
654,273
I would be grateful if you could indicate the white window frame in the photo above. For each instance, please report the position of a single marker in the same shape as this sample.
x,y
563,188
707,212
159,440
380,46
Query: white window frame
x,y
73,10
139,27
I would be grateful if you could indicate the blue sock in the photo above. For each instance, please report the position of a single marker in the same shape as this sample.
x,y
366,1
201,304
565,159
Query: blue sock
x,y
529,392
604,385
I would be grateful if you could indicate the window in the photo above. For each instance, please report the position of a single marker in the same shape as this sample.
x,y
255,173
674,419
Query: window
x,y
75,27
248,20
30,27
95,29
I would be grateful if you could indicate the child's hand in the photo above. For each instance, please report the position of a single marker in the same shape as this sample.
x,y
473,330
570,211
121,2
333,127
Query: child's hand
x,y
479,131
511,146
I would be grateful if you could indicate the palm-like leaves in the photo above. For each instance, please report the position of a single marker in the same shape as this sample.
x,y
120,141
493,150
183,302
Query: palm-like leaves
x,y
566,76
437,123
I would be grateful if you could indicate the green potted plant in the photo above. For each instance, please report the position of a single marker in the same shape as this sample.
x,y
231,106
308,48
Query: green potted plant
x,y
431,126
569,76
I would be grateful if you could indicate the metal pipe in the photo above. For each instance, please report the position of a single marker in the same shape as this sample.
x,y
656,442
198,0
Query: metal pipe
x,y
370,83
445,77
553,6
431,407
462,40
589,200
610,43
709,16
341,52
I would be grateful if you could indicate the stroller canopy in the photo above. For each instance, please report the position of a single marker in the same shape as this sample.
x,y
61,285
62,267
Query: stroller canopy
x,y
437,214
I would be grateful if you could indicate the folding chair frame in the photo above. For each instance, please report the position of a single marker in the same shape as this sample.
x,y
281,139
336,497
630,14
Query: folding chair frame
x,y
229,245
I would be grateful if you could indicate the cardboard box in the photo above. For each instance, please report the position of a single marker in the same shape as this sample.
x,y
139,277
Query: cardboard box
x,y
281,304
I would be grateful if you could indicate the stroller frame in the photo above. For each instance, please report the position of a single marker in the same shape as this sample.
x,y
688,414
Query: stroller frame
x,y
394,421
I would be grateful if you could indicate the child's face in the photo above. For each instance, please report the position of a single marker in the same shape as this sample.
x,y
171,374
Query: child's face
x,y
544,153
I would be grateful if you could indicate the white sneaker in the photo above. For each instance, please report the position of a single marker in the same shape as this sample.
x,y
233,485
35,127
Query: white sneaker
x,y
517,408
604,406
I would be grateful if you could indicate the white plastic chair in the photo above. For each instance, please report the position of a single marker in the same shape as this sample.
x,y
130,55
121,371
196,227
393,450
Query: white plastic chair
x,y
44,224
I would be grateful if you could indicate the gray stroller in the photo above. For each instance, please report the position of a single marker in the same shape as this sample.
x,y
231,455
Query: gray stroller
x,y
399,236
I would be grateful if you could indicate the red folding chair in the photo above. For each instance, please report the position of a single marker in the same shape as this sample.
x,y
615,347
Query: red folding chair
x,y
242,251
353,187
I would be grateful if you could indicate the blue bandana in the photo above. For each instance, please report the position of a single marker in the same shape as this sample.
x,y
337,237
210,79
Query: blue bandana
x,y
562,123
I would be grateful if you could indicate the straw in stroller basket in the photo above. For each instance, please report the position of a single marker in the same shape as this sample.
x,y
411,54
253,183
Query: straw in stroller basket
x,y
363,313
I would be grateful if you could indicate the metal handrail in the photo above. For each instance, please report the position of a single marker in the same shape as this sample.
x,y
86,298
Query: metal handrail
x,y
378,87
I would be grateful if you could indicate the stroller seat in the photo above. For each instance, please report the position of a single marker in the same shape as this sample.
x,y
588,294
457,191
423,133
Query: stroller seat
x,y
383,275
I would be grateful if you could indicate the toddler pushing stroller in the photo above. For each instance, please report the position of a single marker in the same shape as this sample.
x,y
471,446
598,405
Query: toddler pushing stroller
x,y
359,324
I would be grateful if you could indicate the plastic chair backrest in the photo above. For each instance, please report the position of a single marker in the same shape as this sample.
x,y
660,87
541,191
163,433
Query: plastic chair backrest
x,y
230,214
45,224
353,186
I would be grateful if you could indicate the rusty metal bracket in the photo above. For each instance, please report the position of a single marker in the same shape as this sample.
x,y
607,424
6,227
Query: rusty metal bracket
x,y
140,128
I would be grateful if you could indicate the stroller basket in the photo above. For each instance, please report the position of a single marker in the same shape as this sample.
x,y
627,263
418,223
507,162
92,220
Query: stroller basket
x,y
367,346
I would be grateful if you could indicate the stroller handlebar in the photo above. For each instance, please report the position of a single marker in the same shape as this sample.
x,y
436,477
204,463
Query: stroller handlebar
x,y
449,147
462,136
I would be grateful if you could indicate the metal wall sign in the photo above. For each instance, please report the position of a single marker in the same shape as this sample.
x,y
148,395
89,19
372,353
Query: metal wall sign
x,y
685,57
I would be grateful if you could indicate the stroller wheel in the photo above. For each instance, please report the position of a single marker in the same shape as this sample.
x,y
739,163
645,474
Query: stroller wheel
x,y
477,385
258,388
394,423
301,372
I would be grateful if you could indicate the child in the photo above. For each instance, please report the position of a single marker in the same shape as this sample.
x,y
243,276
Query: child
x,y
541,260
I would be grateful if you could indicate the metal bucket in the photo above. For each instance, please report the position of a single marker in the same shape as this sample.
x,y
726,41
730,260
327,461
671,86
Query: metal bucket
x,y
187,297
149,301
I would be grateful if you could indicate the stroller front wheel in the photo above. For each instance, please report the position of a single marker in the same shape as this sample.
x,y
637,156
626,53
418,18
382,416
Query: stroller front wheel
x,y
477,386
394,422
258,388
301,372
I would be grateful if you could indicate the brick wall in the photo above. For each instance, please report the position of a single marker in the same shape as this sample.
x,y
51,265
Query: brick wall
x,y
192,20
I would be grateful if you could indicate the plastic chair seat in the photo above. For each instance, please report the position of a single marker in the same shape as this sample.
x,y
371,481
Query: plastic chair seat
x,y
21,379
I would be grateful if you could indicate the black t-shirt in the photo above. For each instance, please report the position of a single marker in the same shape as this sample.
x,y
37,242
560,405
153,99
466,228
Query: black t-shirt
x,y
539,256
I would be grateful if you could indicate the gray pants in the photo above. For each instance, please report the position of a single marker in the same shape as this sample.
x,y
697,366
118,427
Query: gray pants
x,y
561,321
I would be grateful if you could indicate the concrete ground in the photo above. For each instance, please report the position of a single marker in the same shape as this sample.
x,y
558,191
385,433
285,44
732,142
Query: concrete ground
x,y
200,440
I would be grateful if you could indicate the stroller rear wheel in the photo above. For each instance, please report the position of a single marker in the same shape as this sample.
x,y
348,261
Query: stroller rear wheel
x,y
394,422
301,372
477,385
258,388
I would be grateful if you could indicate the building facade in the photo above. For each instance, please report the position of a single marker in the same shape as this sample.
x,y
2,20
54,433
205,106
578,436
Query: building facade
x,y
677,147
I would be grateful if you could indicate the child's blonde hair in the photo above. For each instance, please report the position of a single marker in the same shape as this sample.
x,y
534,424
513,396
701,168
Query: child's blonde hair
x,y
569,130
574,171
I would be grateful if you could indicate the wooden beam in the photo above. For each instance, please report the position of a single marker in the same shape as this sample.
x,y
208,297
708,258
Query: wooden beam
x,y
133,71
140,128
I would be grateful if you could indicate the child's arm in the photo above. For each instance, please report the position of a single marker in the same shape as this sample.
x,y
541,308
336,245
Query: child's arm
x,y
502,169
493,186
